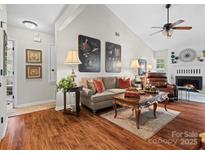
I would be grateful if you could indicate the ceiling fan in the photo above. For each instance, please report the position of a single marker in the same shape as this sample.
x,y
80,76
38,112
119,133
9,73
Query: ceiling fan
x,y
168,28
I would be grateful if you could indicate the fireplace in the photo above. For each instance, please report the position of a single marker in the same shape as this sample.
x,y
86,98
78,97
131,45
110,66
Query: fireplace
x,y
195,81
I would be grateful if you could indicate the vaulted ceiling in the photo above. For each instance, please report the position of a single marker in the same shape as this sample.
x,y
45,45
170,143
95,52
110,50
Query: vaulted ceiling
x,y
44,15
140,19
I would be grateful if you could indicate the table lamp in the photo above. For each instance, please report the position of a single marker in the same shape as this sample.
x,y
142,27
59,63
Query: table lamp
x,y
135,65
72,59
149,67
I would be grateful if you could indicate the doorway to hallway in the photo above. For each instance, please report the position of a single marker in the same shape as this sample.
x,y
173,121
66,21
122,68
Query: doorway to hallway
x,y
10,79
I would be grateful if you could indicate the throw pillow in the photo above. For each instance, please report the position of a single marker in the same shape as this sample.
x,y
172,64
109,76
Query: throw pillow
x,y
91,86
99,86
124,83
87,92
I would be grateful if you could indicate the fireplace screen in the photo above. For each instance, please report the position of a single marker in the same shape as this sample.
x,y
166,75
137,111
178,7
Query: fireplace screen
x,y
194,82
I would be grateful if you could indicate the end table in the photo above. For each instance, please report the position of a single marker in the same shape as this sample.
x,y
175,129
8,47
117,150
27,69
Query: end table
x,y
77,101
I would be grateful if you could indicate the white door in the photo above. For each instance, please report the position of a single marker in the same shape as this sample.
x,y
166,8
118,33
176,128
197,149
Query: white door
x,y
52,64
3,115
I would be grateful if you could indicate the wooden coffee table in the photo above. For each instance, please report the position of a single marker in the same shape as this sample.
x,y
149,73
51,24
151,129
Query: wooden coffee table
x,y
138,103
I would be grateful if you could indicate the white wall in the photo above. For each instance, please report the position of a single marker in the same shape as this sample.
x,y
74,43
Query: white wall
x,y
3,113
32,91
99,22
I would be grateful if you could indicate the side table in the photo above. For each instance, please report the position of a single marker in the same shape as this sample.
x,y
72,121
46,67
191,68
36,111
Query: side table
x,y
77,96
138,84
187,91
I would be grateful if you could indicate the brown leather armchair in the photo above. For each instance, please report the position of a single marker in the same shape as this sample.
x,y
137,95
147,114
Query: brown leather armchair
x,y
159,80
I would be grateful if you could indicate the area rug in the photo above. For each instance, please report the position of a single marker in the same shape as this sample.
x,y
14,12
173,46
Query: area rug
x,y
148,124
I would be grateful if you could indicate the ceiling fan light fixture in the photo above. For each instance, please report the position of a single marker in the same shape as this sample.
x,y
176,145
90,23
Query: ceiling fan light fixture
x,y
170,32
167,29
29,24
167,33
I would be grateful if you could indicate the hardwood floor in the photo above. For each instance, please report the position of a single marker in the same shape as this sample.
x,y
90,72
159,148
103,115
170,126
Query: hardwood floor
x,y
49,129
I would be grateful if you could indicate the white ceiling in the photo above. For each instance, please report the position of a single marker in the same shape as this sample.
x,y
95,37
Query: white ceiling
x,y
44,15
140,19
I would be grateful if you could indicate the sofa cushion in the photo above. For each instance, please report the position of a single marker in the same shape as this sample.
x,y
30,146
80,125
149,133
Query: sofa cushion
x,y
99,86
109,82
117,91
98,97
124,83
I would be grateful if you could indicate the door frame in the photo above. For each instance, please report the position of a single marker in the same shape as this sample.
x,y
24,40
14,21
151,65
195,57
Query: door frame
x,y
3,111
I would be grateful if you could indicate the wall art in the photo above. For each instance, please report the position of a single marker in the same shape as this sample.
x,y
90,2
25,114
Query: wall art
x,y
33,56
112,57
33,72
143,67
89,54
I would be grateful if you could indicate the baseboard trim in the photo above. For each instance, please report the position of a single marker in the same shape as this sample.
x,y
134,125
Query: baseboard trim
x,y
4,130
36,103
58,108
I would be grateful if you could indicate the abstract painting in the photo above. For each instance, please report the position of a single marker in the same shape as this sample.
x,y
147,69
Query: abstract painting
x,y
33,72
143,67
89,54
112,57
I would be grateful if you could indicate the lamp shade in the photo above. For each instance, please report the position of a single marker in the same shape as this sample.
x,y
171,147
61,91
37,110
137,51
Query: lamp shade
x,y
134,64
149,66
72,58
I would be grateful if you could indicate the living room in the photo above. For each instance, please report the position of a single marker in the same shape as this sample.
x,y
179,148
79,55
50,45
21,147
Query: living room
x,y
128,77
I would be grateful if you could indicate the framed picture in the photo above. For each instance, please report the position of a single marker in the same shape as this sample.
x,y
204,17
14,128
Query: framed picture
x,y
33,72
33,56
112,57
143,67
89,54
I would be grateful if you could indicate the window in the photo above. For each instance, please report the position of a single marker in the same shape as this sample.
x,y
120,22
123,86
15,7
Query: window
x,y
160,65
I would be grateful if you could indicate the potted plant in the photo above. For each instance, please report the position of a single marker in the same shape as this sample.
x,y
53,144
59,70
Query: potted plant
x,y
65,84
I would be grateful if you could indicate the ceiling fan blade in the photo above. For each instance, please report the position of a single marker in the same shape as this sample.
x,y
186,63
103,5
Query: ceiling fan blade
x,y
155,32
182,28
177,23
157,27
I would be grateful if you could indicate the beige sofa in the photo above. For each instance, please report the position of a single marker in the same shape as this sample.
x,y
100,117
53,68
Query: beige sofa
x,y
96,101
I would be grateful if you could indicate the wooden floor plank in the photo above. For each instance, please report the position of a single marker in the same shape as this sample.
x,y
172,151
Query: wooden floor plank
x,y
50,129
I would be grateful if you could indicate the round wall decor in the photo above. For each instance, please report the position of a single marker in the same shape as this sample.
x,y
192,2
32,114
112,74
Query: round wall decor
x,y
187,55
